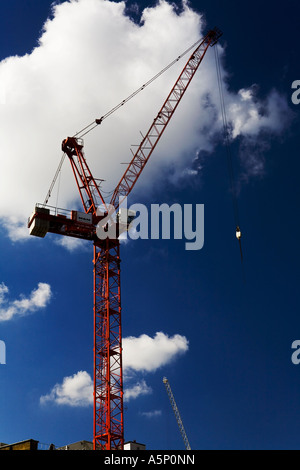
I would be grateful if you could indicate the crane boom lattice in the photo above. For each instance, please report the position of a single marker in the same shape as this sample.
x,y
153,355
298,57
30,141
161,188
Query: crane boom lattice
x,y
177,414
150,140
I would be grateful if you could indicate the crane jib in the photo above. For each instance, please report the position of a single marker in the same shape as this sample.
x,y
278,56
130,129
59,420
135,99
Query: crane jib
x,y
150,140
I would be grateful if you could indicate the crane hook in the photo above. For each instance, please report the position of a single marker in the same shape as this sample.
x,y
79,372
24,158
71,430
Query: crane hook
x,y
238,235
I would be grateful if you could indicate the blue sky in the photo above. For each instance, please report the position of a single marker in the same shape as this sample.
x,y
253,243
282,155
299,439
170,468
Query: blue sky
x,y
230,336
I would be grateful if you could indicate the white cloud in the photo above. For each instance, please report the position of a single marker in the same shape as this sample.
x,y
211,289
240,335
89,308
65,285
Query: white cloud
x,y
251,117
72,244
148,354
16,228
151,414
3,291
140,388
90,57
39,298
76,390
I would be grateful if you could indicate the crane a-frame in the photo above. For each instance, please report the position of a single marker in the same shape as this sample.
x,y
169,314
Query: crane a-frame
x,y
108,432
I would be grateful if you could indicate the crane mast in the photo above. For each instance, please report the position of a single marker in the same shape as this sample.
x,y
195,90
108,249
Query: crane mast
x,y
108,371
176,413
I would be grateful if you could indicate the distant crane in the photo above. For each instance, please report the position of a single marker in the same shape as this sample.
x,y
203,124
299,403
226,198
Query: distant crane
x,y
176,413
108,427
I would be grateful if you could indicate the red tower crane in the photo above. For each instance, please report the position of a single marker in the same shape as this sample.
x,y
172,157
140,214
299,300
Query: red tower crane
x,y
108,433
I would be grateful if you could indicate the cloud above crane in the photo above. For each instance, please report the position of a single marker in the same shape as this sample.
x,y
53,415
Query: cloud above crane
x,y
89,57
